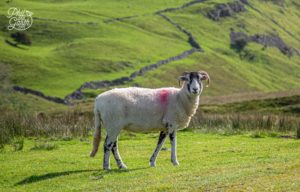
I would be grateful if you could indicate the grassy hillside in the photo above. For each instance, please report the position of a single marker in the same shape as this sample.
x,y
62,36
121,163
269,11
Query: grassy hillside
x,y
207,163
269,70
64,55
74,42
18,102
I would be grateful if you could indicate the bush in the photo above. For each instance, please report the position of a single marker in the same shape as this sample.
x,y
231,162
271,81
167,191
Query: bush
x,y
239,43
21,37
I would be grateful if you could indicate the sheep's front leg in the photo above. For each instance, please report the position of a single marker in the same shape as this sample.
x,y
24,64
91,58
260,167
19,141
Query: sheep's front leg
x,y
172,136
117,156
161,140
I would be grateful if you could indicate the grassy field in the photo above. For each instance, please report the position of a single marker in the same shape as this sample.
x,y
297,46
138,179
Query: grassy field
x,y
208,162
246,129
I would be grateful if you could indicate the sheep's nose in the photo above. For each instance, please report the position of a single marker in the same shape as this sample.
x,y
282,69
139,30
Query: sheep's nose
x,y
195,89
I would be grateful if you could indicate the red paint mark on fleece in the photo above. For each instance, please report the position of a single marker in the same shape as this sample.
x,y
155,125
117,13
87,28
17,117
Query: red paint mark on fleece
x,y
163,97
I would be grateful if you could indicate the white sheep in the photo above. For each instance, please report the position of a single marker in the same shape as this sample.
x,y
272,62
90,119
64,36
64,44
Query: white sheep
x,y
146,110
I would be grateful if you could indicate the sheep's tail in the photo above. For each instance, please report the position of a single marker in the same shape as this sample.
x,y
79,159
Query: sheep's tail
x,y
97,135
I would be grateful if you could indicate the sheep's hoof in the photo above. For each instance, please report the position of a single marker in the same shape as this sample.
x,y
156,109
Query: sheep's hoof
x,y
175,163
93,153
107,168
123,167
152,164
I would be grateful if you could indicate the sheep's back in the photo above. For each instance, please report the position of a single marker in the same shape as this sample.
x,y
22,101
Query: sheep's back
x,y
139,109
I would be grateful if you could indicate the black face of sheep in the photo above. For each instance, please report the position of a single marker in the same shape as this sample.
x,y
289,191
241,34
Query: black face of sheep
x,y
193,81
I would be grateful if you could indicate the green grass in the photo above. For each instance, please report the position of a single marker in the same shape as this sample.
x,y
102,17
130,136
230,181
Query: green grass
x,y
61,51
207,162
64,55
289,104
107,54
19,102
226,67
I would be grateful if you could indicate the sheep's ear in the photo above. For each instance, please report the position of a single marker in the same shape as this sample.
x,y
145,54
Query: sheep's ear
x,y
185,73
204,76
182,78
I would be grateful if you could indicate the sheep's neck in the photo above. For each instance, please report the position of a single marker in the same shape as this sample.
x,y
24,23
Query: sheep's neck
x,y
189,103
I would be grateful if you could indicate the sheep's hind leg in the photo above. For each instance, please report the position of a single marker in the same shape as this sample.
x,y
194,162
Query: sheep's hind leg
x,y
108,145
161,140
117,156
173,148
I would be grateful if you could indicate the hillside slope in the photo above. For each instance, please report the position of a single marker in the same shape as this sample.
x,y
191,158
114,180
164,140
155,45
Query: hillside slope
x,y
74,42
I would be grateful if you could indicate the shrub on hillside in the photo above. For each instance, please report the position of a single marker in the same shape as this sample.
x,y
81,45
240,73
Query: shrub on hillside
x,y
239,43
21,38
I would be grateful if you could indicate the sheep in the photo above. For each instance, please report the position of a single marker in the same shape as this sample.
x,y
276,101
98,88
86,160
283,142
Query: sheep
x,y
146,110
